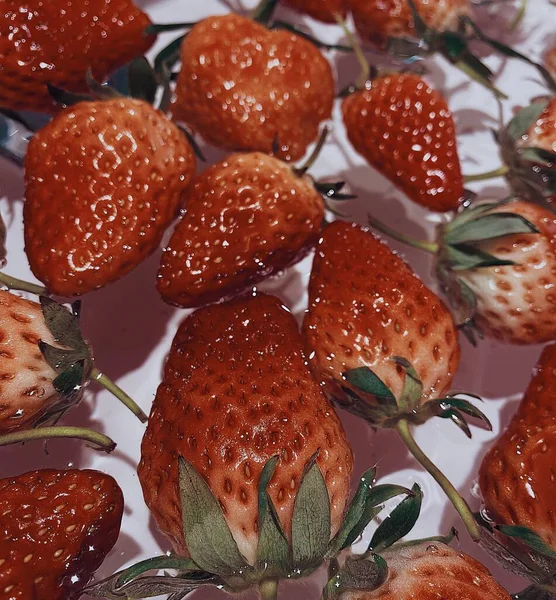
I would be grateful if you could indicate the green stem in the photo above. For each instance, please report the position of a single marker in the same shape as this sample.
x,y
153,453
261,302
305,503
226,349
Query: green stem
x,y
100,440
264,11
300,171
499,172
453,495
268,589
431,247
13,283
363,77
117,391
519,16
470,72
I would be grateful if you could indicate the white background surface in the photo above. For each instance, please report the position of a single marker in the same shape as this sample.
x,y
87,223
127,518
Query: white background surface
x,y
131,329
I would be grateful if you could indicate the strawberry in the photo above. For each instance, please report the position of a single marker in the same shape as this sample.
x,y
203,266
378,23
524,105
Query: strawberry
x,y
56,42
517,474
44,365
104,179
244,87
236,392
56,528
322,10
550,61
244,219
405,130
429,570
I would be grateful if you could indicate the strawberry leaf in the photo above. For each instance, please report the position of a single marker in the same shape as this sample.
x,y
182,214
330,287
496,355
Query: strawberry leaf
x,y
142,80
528,537
399,522
63,325
311,519
207,535
489,227
365,380
464,257
472,213
365,573
524,119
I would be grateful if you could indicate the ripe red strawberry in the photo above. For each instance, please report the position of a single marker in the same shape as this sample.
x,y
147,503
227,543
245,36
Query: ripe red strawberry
x,y
104,180
56,42
378,20
427,571
245,218
236,392
517,475
322,10
366,306
550,61
244,87
56,528
405,130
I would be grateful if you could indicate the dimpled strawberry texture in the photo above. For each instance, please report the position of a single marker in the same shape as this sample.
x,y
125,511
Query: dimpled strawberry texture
x,y
104,180
366,306
26,389
56,528
243,87
517,475
517,303
56,41
244,219
236,392
433,571
378,20
405,130
322,10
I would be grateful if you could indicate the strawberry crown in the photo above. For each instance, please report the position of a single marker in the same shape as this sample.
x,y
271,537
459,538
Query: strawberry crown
x,y
216,559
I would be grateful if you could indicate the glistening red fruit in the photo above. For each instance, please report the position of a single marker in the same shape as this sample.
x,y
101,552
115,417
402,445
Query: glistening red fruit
x,y
322,10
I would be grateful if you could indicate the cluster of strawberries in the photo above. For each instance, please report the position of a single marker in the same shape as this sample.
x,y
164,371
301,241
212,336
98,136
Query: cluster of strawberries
x,y
245,465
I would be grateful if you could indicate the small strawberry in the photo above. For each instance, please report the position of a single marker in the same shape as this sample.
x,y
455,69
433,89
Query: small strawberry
x,y
58,41
405,130
245,218
322,10
244,87
44,366
104,180
429,570
56,528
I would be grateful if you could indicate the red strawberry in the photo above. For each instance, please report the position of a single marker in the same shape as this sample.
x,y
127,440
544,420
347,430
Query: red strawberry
x,y
236,392
104,180
382,312
378,20
243,87
322,10
542,133
427,571
56,528
405,130
57,41
517,475
550,61
245,218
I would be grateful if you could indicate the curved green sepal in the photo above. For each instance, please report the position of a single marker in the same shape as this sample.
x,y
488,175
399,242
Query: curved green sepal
x,y
169,55
464,257
525,119
365,380
101,91
366,573
284,25
69,383
529,537
65,98
489,227
155,29
413,387
142,80
62,324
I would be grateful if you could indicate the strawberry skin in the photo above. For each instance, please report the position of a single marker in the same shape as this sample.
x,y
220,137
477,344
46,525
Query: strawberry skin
x,y
245,218
26,389
243,87
57,41
366,306
103,182
378,20
236,392
516,303
56,528
322,10
433,571
517,474
405,130
550,61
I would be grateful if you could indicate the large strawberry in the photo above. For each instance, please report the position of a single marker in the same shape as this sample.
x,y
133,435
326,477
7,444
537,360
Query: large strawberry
x,y
56,528
244,87
405,130
56,42
44,366
104,179
322,10
244,219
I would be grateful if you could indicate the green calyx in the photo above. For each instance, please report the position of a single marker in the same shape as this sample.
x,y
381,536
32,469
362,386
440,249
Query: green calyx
x,y
216,559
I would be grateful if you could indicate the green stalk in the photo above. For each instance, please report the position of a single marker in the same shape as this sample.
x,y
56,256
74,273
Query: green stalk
x,y
117,391
519,16
431,247
300,171
363,77
13,283
470,72
453,495
100,440
268,589
499,172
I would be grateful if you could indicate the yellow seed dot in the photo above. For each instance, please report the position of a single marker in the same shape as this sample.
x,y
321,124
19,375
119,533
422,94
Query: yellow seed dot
x,y
58,553
27,558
